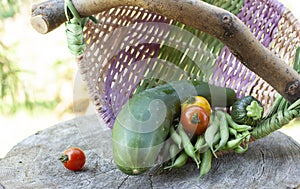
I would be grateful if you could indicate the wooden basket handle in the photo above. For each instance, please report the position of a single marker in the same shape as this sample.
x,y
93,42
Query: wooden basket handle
x,y
213,20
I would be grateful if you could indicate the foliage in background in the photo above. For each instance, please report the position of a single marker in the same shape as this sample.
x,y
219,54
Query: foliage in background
x,y
10,83
9,71
8,8
14,95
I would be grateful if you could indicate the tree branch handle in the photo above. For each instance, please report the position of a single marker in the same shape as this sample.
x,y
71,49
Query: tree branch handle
x,y
215,21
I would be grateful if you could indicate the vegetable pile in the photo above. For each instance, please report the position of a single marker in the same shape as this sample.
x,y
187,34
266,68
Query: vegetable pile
x,y
222,133
163,124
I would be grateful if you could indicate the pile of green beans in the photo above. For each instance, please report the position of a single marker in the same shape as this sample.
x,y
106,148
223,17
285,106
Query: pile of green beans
x,y
223,134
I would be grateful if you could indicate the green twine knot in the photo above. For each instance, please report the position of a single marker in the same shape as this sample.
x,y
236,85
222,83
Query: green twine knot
x,y
74,29
276,121
281,113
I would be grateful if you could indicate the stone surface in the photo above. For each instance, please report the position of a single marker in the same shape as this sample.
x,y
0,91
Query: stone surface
x,y
272,162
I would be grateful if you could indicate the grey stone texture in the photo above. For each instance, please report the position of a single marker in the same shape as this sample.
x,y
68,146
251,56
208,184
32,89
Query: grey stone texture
x,y
272,162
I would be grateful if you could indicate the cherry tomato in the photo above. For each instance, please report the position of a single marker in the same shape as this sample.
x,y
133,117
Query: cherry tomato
x,y
199,101
195,119
73,158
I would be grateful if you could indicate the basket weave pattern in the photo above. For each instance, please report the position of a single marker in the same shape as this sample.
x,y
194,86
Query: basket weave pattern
x,y
132,49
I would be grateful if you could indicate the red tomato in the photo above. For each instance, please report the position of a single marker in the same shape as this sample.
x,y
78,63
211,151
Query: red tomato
x,y
195,120
73,159
197,100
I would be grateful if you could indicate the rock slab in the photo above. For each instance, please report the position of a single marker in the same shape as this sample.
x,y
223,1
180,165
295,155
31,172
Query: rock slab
x,y
272,162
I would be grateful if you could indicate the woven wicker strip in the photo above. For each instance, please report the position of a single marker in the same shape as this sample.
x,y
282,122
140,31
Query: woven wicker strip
x,y
262,18
132,49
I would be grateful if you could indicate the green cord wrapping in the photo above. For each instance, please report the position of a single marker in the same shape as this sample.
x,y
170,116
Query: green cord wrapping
x,y
75,39
281,113
74,29
276,121
279,104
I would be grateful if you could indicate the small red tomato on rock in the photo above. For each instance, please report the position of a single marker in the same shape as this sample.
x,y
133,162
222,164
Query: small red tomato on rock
x,y
73,159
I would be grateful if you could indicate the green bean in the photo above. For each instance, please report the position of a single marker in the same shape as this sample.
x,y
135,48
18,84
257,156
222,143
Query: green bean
x,y
175,137
217,138
248,137
232,144
239,135
246,134
234,125
205,163
198,156
174,150
200,142
239,149
179,162
211,131
216,141
232,132
187,145
203,148
224,131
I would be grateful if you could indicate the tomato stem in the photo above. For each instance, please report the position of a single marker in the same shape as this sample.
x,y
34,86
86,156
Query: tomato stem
x,y
64,158
191,100
195,119
254,110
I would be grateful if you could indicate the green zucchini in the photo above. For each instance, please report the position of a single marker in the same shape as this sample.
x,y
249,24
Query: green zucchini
x,y
247,111
143,123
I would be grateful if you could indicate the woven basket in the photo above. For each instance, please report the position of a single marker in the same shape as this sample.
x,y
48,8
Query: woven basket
x,y
132,49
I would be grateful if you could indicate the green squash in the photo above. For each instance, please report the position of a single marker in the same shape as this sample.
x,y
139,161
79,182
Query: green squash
x,y
247,111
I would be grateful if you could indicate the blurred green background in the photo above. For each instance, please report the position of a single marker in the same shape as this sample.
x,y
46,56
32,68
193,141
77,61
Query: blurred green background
x,y
37,76
33,70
